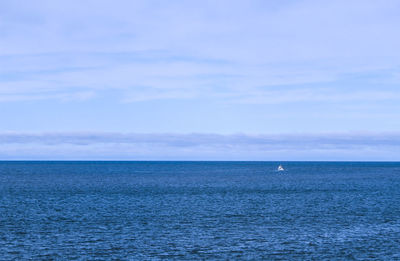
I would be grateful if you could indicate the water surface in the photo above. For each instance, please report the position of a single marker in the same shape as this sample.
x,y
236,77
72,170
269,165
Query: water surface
x,y
199,210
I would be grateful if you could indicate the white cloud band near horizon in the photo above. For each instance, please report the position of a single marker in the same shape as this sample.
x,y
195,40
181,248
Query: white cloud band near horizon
x,y
197,146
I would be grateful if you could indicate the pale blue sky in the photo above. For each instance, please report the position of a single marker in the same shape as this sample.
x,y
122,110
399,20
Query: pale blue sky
x,y
255,68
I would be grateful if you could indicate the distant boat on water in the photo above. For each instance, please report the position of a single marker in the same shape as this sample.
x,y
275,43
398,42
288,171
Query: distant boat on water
x,y
280,168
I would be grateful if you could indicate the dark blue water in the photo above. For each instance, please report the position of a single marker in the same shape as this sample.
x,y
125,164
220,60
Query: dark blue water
x,y
199,210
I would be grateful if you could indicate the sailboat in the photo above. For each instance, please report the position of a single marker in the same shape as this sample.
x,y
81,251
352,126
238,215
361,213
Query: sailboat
x,y
280,168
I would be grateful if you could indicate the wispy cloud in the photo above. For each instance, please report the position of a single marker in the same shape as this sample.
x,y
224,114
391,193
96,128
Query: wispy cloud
x,y
328,146
56,47
271,96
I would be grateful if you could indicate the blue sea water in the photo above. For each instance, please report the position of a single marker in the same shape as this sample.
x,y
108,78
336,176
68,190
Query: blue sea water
x,y
199,211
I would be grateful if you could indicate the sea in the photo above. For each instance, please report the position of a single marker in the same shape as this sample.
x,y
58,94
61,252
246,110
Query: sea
x,y
131,210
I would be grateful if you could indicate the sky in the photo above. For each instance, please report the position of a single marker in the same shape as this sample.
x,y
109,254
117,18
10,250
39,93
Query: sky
x,y
200,80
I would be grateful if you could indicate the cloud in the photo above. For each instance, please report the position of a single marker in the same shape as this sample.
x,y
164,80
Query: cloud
x,y
196,146
151,50
274,96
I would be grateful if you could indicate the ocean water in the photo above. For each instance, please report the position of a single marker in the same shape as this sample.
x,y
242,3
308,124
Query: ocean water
x,y
199,211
